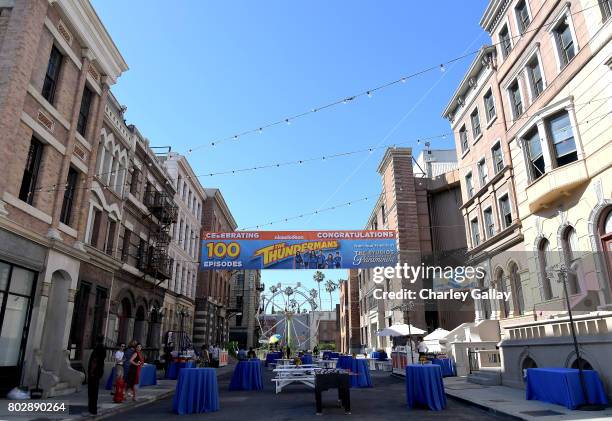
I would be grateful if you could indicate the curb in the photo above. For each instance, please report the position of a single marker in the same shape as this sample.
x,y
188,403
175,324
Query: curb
x,y
485,408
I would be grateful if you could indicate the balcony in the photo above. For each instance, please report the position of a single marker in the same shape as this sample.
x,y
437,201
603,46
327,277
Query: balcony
x,y
156,263
556,184
161,206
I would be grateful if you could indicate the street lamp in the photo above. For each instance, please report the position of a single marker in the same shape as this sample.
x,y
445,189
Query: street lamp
x,y
563,273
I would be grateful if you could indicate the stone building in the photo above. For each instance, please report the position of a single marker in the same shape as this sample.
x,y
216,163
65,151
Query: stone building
x,y
57,63
185,245
213,290
549,74
245,291
424,212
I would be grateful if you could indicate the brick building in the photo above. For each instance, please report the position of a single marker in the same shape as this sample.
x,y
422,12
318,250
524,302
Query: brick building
x,y
57,63
245,291
350,339
213,290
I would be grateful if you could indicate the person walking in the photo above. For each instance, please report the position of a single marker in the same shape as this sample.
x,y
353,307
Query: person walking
x,y
133,377
95,371
167,357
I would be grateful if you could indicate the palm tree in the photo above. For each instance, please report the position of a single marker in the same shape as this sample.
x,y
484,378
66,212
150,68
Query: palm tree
x,y
330,287
318,278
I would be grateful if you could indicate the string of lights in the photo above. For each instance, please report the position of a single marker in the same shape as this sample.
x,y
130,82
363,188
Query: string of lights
x,y
368,92
322,158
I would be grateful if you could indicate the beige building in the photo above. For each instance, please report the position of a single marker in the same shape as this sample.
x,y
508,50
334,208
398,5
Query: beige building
x,y
185,245
245,291
548,70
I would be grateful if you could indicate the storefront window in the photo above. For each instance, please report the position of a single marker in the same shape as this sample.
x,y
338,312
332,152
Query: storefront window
x,y
16,288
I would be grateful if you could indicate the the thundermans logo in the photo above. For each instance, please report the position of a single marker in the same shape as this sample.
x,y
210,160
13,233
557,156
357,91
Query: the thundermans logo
x,y
280,251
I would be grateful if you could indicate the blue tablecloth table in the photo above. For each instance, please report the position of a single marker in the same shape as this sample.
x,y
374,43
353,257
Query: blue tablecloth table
x,y
330,355
447,366
381,356
148,377
271,357
306,359
360,369
174,369
561,386
247,376
424,386
196,391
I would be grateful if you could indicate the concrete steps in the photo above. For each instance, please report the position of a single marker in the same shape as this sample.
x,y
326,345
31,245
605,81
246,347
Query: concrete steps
x,y
62,389
485,377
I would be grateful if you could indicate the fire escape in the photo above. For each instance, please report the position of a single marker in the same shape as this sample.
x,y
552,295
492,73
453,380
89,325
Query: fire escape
x,y
156,262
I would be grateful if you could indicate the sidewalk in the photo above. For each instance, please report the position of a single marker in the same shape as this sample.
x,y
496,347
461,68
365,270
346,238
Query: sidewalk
x,y
77,402
511,402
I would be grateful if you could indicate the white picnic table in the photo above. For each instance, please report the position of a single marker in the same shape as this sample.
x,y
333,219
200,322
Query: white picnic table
x,y
331,363
286,375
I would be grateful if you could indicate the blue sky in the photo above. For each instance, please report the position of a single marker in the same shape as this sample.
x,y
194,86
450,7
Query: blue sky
x,y
204,70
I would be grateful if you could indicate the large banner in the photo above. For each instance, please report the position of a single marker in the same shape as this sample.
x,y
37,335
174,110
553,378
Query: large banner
x,y
298,249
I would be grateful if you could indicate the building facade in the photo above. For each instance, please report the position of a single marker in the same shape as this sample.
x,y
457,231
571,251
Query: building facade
x,y
420,210
184,247
57,63
542,220
350,340
213,290
245,291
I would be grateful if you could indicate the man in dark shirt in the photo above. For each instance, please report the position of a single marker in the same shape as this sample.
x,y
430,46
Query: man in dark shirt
x,y
95,371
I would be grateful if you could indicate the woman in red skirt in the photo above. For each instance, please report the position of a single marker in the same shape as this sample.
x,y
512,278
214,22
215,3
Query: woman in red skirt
x,y
133,377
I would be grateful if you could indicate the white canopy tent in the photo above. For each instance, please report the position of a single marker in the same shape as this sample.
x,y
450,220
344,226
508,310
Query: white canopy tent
x,y
401,330
435,341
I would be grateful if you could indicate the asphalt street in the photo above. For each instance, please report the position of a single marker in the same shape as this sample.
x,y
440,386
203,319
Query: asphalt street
x,y
385,401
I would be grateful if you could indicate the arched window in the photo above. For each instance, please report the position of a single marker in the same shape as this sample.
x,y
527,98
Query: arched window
x,y
517,290
543,257
605,236
124,313
528,363
569,244
585,364
500,281
485,303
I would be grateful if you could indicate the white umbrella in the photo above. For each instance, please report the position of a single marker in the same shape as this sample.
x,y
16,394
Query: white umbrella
x,y
401,330
434,341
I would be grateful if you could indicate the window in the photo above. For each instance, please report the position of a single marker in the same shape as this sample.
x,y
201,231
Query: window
x,y
569,245
469,185
84,111
141,257
515,99
505,211
125,248
535,156
543,254
504,41
95,227
489,223
535,77
482,173
69,193
606,9
383,214
110,237
565,42
475,232
475,123
562,137
489,102
135,181
498,159
30,172
522,16
52,75
463,138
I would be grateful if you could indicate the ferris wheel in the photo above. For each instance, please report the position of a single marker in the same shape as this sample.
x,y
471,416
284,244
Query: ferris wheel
x,y
284,303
